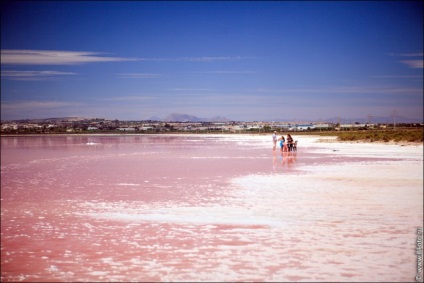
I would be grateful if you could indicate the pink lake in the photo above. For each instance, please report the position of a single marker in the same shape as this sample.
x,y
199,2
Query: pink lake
x,y
207,208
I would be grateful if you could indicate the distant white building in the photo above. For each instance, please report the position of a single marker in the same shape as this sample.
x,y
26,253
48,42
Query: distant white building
x,y
349,126
323,126
127,129
282,126
9,126
236,128
254,126
304,127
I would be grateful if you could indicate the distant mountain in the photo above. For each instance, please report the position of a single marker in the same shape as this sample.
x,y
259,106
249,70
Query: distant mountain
x,y
219,119
155,118
182,117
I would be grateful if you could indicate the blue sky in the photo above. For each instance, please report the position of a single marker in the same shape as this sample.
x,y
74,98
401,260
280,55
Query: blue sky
x,y
253,60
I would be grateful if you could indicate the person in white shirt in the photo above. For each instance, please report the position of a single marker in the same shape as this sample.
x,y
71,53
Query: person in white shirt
x,y
274,139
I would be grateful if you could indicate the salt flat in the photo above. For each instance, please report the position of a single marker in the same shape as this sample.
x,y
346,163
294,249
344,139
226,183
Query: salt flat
x,y
208,208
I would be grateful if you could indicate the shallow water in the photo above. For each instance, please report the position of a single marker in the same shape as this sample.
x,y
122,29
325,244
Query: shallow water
x,y
207,208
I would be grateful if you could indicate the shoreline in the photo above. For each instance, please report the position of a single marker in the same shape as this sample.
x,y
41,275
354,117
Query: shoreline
x,y
320,138
327,139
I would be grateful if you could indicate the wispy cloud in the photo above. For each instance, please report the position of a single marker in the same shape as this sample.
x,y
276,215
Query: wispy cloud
x,y
400,77
33,75
397,77
406,54
32,105
342,90
139,76
49,57
55,57
131,98
413,63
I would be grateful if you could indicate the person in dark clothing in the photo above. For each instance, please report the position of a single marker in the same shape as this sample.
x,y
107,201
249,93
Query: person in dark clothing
x,y
290,142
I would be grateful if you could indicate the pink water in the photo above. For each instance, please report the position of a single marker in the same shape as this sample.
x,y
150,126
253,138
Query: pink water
x,y
202,208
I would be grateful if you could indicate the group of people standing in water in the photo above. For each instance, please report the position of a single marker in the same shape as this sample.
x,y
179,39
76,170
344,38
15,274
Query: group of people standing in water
x,y
286,145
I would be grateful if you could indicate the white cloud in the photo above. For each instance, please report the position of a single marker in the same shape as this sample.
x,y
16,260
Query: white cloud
x,y
49,57
55,57
413,63
32,105
32,75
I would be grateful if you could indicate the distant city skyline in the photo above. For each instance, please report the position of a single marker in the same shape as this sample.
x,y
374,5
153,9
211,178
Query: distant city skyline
x,y
244,60
181,117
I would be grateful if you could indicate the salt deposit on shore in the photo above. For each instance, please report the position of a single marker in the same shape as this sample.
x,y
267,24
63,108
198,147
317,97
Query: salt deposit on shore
x,y
351,220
